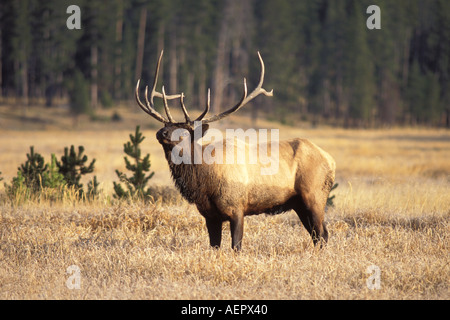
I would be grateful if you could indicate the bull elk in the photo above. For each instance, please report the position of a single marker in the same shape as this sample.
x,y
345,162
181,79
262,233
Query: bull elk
x,y
228,192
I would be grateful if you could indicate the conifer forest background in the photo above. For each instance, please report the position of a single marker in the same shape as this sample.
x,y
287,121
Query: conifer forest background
x,y
324,64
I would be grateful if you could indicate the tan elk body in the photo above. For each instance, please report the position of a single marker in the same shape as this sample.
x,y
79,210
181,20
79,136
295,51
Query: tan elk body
x,y
229,191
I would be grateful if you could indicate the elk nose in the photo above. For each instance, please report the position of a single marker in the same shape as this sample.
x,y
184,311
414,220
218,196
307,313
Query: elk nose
x,y
159,136
162,134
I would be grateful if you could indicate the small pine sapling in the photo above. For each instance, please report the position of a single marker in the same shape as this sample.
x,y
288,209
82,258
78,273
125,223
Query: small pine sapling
x,y
31,173
93,190
30,177
136,184
52,178
73,166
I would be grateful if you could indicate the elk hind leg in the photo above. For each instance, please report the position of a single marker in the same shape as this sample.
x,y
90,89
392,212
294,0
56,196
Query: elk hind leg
x,y
237,231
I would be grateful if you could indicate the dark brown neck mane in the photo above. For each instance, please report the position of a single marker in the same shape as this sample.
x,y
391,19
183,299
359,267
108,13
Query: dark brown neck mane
x,y
188,177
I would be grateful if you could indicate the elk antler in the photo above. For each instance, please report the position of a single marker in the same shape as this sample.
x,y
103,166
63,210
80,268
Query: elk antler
x,y
208,106
149,108
244,100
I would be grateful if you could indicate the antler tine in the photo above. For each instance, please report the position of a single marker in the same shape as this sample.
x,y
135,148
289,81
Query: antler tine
x,y
208,106
183,107
259,89
163,95
234,109
154,92
147,109
166,107
150,107
155,79
245,99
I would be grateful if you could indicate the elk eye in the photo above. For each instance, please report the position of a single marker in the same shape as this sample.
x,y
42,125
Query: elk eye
x,y
166,134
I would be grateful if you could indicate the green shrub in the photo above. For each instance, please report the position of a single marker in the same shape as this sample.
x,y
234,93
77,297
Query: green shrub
x,y
36,178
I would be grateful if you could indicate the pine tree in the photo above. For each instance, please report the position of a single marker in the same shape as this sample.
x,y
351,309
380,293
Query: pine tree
x,y
32,171
73,166
52,178
93,190
136,184
31,176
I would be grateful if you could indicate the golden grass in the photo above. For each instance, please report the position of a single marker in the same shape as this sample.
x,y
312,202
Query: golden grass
x,y
139,251
392,210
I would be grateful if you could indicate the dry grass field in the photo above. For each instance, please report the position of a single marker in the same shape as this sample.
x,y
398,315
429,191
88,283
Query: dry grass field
x,y
392,211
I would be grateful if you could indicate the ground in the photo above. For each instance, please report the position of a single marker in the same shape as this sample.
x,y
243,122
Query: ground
x,y
391,218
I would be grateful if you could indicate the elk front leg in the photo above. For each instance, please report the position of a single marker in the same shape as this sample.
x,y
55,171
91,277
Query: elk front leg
x,y
312,219
214,227
237,231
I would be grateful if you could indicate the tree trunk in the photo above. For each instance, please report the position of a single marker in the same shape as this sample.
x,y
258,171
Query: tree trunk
x,y
23,83
118,55
219,72
406,54
173,65
202,80
141,40
222,66
94,73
